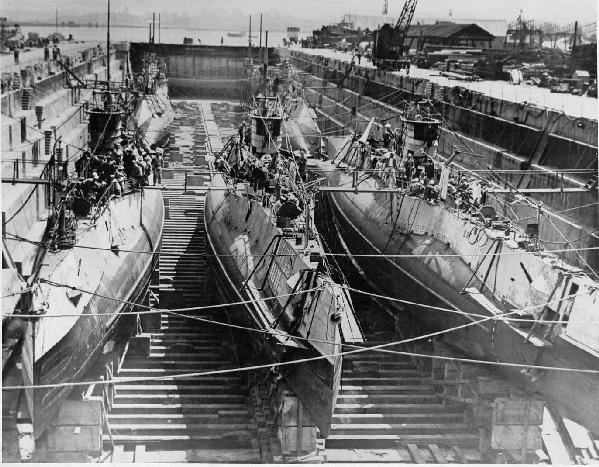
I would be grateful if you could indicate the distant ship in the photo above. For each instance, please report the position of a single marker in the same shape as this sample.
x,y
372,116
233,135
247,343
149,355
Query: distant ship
x,y
236,34
335,33
289,295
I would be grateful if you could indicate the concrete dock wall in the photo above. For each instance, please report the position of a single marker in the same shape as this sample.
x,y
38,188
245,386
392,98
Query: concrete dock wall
x,y
197,71
571,142
578,129
11,102
26,207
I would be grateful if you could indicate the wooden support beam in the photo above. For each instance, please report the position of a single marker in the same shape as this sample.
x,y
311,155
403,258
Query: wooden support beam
x,y
26,181
437,455
417,456
118,454
459,454
140,453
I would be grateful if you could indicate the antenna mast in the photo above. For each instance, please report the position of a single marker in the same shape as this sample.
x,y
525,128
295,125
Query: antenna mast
x,y
250,42
108,48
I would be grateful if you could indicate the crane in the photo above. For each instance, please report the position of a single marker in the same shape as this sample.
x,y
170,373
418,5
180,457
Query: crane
x,y
389,51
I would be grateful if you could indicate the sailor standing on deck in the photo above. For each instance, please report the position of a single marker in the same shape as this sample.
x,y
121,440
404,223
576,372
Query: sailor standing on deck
x,y
292,174
388,135
118,154
257,176
137,173
120,177
302,164
114,188
82,164
158,164
147,169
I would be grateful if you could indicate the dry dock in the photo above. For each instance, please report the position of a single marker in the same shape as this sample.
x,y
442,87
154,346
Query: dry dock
x,y
391,407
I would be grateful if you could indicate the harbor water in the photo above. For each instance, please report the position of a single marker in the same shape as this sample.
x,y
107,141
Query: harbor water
x,y
167,35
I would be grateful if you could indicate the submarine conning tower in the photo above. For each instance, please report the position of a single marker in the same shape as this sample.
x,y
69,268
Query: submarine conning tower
x,y
266,124
417,135
104,124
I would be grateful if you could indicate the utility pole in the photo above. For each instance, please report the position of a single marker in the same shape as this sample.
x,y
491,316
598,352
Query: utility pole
x,y
260,46
153,27
108,48
250,41
159,28
56,20
266,65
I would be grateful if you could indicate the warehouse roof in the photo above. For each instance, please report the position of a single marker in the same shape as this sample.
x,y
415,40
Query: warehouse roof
x,y
448,30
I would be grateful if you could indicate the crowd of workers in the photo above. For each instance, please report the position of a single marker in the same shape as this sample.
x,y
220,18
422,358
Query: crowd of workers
x,y
128,165
415,172
274,178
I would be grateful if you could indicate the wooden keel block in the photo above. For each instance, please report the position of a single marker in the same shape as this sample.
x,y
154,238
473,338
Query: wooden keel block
x,y
150,322
176,157
289,436
78,427
140,345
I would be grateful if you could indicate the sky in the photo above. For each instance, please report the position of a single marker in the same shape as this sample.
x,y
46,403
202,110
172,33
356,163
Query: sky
x,y
319,11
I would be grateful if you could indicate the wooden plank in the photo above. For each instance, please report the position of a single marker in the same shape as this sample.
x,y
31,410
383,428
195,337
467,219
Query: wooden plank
x,y
79,413
513,437
205,456
459,454
300,423
518,411
417,456
490,386
118,454
396,426
437,455
82,438
140,453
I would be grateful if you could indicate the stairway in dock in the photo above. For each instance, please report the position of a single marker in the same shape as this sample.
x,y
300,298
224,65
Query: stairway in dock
x,y
183,419
387,411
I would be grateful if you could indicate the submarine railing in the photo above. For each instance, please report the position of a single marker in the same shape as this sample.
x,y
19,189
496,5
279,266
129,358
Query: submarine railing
x,y
335,189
